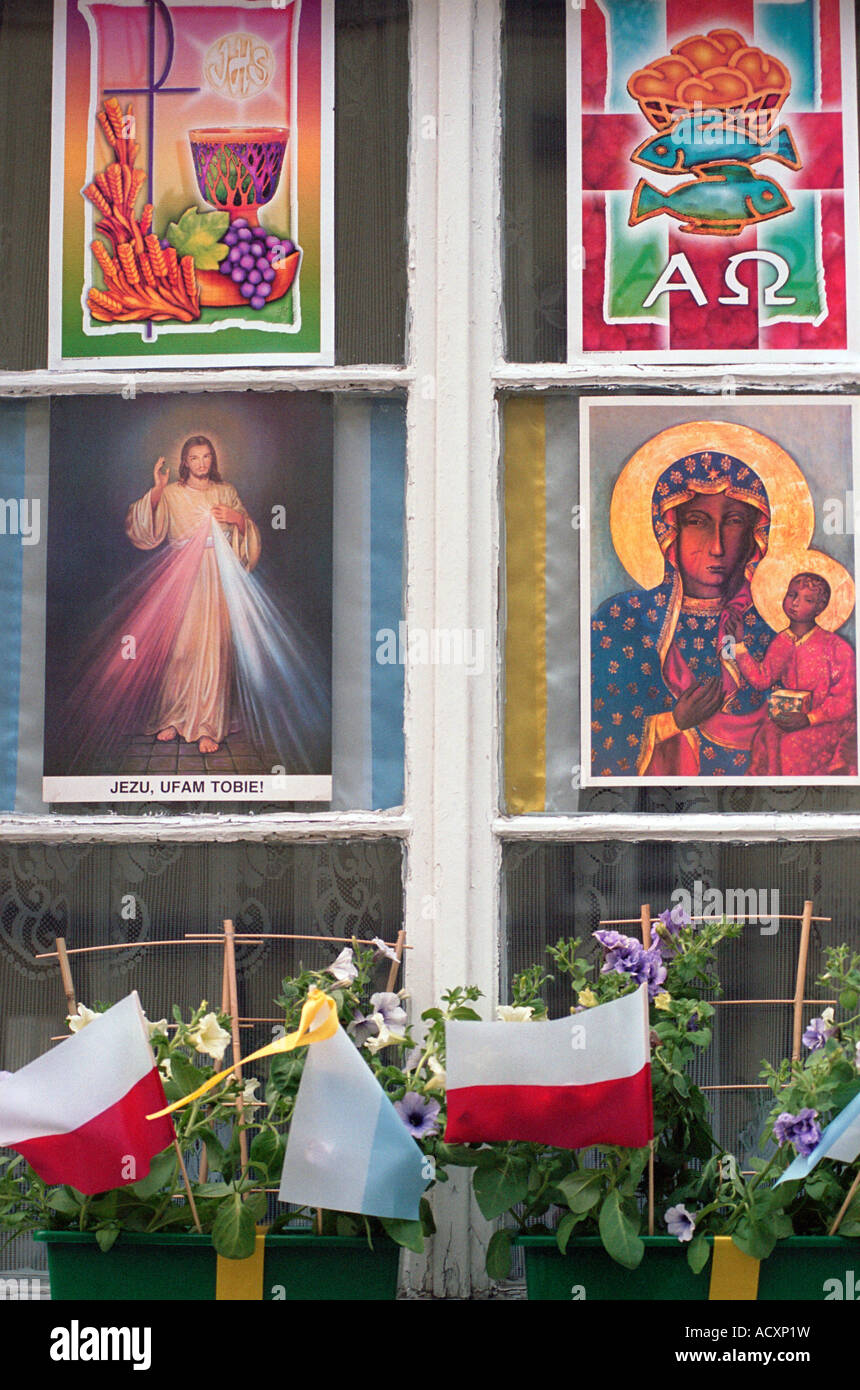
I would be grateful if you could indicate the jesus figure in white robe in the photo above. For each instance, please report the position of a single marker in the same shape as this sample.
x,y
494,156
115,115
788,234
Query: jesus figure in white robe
x,y
194,701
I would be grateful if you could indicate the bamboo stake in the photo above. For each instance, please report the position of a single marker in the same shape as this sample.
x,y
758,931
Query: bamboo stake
x,y
721,1003
845,1205
233,996
802,954
66,974
737,1086
121,946
395,964
283,936
188,1192
645,923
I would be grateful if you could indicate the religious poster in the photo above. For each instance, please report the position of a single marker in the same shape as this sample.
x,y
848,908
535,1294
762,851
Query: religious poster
x,y
718,572
712,180
189,599
192,183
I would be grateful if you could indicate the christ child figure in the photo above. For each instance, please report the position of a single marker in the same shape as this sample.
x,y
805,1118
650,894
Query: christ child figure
x,y
804,657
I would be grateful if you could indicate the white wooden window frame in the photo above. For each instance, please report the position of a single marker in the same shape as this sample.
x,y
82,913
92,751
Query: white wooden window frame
x,y
450,825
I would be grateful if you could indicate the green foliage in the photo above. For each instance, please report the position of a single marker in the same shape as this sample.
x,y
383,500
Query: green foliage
x,y
604,1190
198,235
232,1202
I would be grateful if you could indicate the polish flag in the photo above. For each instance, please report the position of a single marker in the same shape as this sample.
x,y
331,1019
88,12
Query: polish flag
x,y
78,1113
570,1083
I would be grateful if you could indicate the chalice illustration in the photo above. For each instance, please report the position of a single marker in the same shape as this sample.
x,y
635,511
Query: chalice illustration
x,y
238,171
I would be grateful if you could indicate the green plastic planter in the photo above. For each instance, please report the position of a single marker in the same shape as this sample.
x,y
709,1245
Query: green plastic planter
x,y
800,1268
298,1266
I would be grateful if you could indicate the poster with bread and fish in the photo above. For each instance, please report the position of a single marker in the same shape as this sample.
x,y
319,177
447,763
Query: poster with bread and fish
x,y
712,180
192,184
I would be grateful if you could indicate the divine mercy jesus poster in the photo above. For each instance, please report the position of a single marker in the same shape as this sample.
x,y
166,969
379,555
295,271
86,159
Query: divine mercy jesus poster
x,y
712,180
192,183
189,599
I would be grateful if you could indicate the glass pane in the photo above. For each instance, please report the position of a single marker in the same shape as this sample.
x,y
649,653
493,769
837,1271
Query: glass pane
x,y
372,121
559,891
142,894
324,486
534,153
549,621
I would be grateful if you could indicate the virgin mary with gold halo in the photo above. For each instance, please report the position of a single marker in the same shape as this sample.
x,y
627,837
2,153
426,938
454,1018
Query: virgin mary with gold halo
x,y
710,519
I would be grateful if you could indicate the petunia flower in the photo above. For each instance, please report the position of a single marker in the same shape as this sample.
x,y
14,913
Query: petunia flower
x,y
587,998
384,949
156,1028
437,1081
384,1038
80,1020
344,968
680,1222
363,1026
674,919
249,1097
627,956
802,1130
514,1013
209,1037
388,1006
418,1114
663,1000
817,1032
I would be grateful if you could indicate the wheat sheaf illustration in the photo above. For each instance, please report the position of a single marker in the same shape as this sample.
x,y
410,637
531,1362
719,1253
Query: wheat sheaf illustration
x,y
718,71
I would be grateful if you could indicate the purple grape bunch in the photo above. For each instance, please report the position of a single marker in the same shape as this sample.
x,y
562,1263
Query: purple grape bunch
x,y
250,260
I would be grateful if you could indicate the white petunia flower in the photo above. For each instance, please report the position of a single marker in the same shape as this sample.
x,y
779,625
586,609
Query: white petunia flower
x,y
209,1037
80,1020
344,968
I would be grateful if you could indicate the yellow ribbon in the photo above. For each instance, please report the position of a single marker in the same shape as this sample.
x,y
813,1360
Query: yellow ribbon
x,y
316,1001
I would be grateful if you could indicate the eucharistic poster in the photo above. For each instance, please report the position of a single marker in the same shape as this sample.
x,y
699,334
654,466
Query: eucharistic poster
x,y
189,599
192,183
712,180
718,591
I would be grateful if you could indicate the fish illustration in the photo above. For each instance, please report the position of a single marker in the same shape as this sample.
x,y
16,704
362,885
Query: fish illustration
x,y
699,141
720,202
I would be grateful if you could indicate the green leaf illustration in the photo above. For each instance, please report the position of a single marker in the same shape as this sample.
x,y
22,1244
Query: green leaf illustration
x,y
198,234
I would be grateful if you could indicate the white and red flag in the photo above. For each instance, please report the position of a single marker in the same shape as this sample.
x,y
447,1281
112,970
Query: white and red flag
x,y
570,1083
78,1113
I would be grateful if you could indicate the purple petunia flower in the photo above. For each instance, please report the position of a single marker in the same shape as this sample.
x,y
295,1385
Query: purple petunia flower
x,y
388,1005
627,956
816,1034
363,1026
802,1130
680,1222
418,1114
674,919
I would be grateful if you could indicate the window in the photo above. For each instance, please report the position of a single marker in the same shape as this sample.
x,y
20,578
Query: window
x,y
450,294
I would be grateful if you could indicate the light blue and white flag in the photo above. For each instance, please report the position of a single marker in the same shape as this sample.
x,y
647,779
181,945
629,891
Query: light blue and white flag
x,y
840,1140
348,1149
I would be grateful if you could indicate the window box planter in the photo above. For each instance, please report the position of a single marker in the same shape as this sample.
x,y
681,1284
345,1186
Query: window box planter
x,y
297,1266
800,1268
